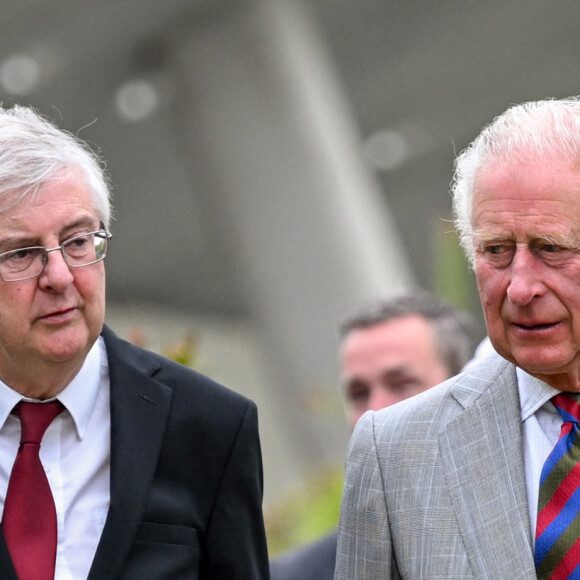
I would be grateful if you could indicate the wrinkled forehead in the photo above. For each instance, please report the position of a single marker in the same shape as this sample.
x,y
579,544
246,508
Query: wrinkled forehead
x,y
528,177
59,184
60,187
55,204
537,199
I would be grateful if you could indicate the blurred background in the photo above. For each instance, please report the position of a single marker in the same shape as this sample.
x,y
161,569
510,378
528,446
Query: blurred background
x,y
275,163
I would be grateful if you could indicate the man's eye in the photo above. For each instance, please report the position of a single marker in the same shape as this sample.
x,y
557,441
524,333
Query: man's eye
x,y
357,393
22,254
499,255
79,242
496,249
551,248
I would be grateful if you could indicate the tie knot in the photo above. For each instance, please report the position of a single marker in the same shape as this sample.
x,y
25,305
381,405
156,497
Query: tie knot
x,y
568,405
35,419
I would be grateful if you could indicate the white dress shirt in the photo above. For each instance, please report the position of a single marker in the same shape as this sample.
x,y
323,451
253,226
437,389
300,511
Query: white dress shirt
x,y
75,453
541,429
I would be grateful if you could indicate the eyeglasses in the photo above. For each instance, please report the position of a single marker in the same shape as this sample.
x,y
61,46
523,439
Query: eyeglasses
x,y
78,251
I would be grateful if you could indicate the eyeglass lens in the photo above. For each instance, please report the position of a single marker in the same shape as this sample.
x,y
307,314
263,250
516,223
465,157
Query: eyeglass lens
x,y
29,262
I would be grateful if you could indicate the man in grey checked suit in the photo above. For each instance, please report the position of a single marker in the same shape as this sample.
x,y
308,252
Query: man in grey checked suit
x,y
445,484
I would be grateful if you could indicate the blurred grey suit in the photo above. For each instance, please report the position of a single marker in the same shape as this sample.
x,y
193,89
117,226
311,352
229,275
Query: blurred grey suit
x,y
435,485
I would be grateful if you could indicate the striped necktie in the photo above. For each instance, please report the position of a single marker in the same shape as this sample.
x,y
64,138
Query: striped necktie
x,y
558,526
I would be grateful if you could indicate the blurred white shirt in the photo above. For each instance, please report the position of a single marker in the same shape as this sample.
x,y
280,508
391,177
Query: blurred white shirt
x,y
541,429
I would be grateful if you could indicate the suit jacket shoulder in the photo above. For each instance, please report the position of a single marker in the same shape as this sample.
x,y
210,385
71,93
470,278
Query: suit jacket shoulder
x,y
492,382
182,380
441,475
186,474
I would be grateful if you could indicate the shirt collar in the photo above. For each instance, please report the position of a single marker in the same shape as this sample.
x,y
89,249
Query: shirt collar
x,y
79,396
534,393
8,400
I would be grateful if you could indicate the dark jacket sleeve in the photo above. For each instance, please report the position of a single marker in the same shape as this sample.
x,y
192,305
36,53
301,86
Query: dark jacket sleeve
x,y
186,475
235,541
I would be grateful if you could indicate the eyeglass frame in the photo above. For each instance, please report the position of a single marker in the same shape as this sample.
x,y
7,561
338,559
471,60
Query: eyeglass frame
x,y
101,233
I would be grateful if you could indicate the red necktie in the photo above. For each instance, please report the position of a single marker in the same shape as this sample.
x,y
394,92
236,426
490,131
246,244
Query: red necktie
x,y
29,520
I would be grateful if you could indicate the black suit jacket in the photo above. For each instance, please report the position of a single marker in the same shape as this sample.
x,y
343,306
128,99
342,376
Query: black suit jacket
x,y
186,476
314,561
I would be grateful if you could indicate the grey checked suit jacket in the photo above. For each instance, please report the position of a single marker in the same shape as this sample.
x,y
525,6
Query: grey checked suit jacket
x,y
435,486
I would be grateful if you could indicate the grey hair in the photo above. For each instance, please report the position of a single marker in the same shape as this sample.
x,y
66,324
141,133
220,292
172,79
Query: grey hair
x,y
34,151
540,128
455,330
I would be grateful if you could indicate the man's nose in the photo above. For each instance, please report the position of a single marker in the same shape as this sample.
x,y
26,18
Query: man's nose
x,y
525,277
57,273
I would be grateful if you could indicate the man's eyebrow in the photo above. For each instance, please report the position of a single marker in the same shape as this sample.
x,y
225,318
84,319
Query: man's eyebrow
x,y
85,221
15,241
557,240
26,239
402,370
483,236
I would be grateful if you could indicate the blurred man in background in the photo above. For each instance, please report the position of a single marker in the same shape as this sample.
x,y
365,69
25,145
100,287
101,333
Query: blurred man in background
x,y
389,350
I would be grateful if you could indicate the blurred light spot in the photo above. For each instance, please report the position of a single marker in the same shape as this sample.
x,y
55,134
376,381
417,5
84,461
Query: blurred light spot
x,y
386,150
136,100
19,74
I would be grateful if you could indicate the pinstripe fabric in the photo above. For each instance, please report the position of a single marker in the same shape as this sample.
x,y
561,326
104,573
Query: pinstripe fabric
x,y
558,526
435,486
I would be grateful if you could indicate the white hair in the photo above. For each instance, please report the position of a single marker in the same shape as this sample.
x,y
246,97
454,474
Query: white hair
x,y
33,151
540,128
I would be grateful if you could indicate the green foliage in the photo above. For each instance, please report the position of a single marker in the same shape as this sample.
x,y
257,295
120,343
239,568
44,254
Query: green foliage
x,y
452,274
454,280
182,350
307,513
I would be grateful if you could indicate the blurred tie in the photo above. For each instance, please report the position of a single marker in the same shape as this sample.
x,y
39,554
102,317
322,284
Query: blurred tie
x,y
558,526
29,519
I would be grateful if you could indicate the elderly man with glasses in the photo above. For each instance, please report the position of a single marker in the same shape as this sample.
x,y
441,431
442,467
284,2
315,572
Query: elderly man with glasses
x,y
114,462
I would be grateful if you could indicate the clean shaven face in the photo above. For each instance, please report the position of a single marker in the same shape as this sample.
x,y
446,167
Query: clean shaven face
x,y
55,318
526,221
385,363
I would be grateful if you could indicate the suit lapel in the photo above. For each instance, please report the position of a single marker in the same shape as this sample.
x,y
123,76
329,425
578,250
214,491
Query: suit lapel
x,y
139,410
482,452
7,571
